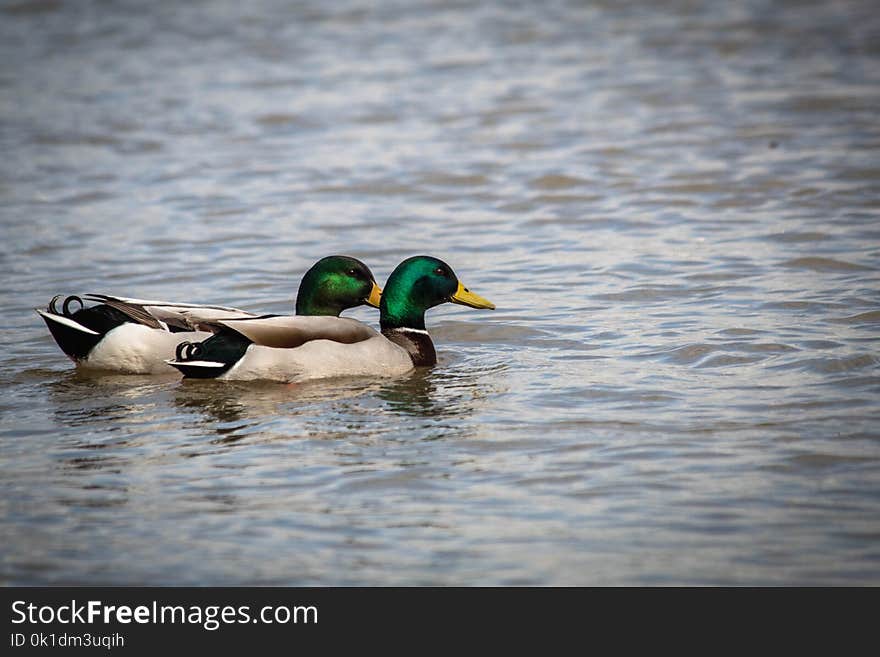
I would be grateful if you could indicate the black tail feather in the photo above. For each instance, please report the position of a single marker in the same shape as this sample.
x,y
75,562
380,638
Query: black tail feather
x,y
77,333
212,357
74,342
199,369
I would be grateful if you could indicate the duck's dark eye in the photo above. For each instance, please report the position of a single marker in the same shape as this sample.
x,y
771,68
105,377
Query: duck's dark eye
x,y
440,271
352,272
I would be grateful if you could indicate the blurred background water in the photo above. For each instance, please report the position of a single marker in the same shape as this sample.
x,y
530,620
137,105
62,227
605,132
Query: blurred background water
x,y
675,207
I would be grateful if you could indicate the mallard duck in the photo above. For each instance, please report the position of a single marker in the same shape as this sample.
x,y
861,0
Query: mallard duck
x,y
136,336
295,349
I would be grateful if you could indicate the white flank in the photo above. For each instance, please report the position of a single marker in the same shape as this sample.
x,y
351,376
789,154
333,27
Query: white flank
x,y
138,349
319,359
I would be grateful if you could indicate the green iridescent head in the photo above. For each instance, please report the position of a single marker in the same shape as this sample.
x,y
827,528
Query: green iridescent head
x,y
334,284
419,283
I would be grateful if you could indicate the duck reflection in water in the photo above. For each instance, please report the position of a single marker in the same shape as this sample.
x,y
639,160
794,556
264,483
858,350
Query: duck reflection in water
x,y
261,401
84,398
96,402
441,392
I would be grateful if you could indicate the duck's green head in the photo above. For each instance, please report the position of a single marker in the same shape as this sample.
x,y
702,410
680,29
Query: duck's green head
x,y
419,283
335,283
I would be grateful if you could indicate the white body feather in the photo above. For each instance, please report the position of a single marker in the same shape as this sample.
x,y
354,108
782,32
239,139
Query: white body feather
x,y
137,349
319,359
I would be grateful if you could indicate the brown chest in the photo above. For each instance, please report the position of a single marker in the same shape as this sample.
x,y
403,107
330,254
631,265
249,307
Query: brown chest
x,y
417,343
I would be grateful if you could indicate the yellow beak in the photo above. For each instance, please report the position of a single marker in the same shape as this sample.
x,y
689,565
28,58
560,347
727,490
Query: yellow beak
x,y
467,298
375,296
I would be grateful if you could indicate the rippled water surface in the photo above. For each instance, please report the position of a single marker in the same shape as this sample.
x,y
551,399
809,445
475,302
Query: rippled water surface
x,y
676,209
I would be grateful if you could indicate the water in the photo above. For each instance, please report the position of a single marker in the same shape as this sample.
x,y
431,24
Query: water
x,y
675,210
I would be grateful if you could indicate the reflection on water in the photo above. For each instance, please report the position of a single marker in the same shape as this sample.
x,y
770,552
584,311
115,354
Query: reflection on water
x,y
236,401
445,392
674,207
414,395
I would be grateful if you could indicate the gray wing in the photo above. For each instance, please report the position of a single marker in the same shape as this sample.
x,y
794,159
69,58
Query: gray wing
x,y
287,332
163,315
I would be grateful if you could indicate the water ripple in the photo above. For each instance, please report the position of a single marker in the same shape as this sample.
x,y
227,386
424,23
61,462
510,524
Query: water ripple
x,y
674,209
